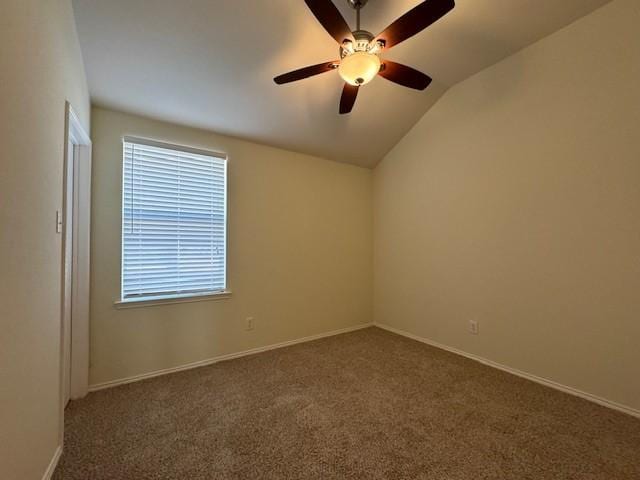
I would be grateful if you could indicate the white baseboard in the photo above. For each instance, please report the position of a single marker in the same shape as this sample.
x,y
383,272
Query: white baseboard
x,y
53,464
534,378
221,358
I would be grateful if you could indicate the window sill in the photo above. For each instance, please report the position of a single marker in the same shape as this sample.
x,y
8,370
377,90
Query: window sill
x,y
168,300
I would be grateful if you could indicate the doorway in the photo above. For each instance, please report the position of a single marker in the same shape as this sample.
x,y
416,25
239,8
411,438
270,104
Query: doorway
x,y
74,225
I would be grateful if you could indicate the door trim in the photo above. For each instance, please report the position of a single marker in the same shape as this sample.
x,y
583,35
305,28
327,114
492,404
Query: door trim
x,y
80,261
81,257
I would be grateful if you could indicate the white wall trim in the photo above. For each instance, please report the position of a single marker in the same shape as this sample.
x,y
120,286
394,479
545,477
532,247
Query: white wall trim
x,y
221,358
53,464
80,261
171,299
534,378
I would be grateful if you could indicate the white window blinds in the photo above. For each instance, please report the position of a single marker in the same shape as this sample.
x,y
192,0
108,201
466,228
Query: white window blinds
x,y
173,221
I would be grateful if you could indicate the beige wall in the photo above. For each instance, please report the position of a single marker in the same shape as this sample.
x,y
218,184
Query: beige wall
x,y
40,68
300,254
516,202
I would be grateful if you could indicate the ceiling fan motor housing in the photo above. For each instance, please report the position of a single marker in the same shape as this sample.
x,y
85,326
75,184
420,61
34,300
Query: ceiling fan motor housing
x,y
362,43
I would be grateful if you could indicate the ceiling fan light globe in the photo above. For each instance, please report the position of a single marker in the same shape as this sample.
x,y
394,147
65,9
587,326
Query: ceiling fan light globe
x,y
359,68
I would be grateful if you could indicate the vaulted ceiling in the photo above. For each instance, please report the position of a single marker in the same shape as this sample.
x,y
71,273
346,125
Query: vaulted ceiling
x,y
211,63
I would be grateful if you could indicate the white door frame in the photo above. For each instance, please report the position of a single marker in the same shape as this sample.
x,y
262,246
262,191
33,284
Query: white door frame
x,y
78,371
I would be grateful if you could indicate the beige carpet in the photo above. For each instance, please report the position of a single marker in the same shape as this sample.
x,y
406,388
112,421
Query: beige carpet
x,y
364,405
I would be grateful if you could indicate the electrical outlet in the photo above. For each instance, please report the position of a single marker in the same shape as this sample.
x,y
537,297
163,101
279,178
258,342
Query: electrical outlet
x,y
474,327
250,324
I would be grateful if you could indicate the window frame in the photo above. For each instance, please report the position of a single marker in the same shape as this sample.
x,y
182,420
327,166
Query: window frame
x,y
151,300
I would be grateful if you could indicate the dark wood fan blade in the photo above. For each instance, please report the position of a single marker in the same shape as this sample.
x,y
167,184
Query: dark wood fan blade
x,y
415,20
348,99
405,76
330,18
306,72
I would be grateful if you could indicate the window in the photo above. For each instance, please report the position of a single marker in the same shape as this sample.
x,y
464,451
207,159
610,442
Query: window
x,y
174,209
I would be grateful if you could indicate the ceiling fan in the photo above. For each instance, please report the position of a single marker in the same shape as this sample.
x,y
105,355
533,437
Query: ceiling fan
x,y
360,51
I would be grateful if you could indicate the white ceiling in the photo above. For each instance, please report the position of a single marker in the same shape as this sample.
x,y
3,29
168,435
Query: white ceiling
x,y
210,64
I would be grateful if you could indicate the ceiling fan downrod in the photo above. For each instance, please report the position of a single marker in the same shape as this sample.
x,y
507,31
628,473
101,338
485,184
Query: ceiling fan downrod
x,y
357,5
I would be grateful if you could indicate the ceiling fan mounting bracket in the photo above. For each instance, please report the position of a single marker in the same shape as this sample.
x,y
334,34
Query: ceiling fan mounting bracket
x,y
356,4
